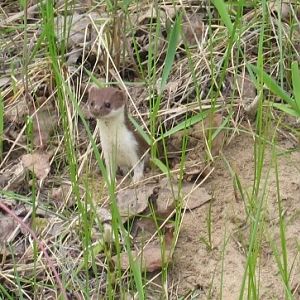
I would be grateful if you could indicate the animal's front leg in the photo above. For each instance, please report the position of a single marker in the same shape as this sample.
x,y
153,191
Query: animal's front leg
x,y
138,172
110,168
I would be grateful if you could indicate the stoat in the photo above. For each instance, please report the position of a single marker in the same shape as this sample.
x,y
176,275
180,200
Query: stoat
x,y
122,146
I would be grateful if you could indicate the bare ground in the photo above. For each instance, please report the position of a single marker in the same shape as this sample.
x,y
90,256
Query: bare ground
x,y
197,269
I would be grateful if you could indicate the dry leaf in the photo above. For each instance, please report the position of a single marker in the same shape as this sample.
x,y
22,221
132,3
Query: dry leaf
x,y
165,202
12,176
246,88
174,144
218,141
212,122
169,9
73,58
143,229
44,122
77,24
57,227
172,86
4,81
59,195
7,226
195,169
141,35
282,8
192,30
104,215
15,112
150,259
62,196
132,202
38,163
194,198
145,224
247,94
144,17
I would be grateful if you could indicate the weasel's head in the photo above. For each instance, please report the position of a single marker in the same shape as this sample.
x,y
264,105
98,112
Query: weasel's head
x,y
104,103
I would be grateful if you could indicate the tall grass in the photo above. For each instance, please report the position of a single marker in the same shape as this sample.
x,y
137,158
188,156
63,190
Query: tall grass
x,y
155,76
258,194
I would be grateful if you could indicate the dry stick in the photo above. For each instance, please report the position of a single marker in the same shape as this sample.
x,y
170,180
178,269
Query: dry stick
x,y
40,244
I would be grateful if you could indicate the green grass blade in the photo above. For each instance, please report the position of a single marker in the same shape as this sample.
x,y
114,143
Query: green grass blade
x,y
296,85
161,165
287,109
4,292
222,126
273,86
140,130
133,263
171,51
184,124
94,80
223,11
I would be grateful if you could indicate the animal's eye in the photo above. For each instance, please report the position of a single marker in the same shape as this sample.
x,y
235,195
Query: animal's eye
x,y
107,104
92,104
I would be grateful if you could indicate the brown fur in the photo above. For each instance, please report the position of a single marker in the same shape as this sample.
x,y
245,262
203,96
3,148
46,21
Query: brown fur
x,y
99,97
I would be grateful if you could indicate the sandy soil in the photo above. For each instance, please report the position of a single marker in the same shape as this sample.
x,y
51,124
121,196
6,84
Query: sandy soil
x,y
197,270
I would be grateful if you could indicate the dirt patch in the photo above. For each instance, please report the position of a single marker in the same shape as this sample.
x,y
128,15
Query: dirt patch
x,y
197,269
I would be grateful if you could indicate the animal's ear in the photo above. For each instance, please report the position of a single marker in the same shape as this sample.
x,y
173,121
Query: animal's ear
x,y
121,96
92,88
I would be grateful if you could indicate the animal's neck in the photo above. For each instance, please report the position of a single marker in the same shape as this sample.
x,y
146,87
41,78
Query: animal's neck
x,y
114,122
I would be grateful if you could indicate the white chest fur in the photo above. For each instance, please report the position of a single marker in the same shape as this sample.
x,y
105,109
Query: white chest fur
x,y
119,146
